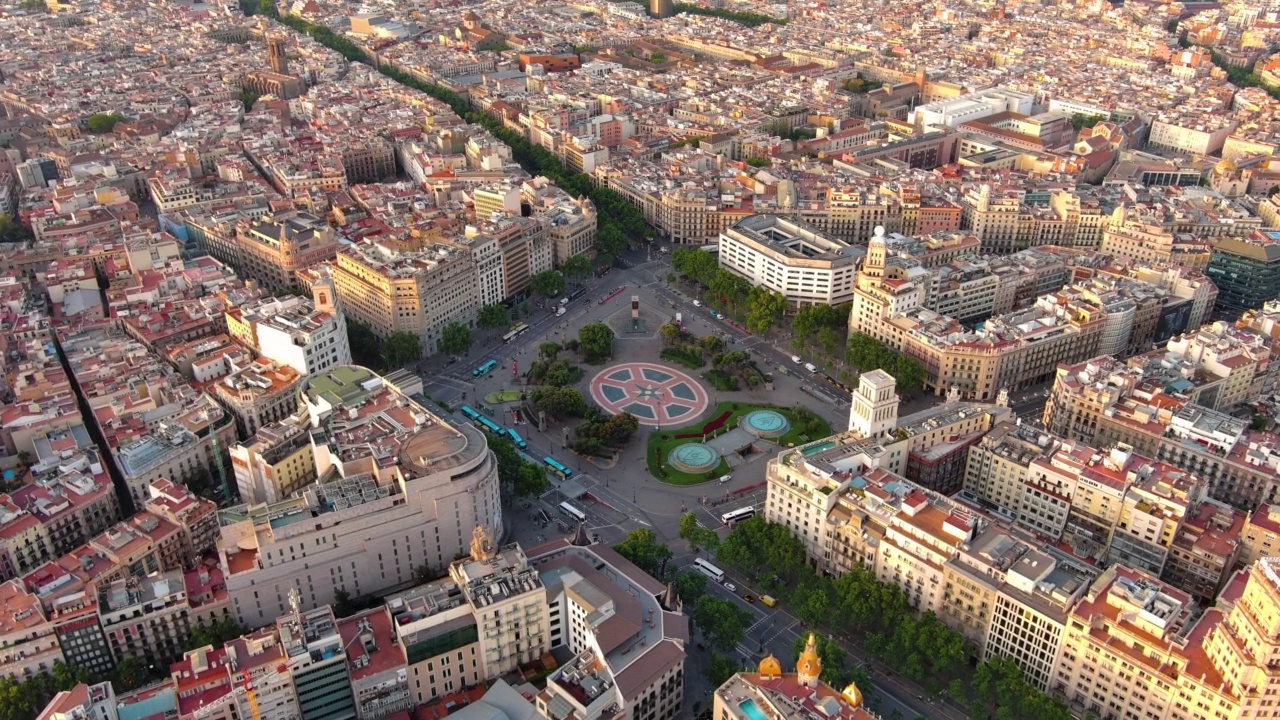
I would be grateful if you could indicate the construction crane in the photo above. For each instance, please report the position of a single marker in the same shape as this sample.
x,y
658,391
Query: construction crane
x,y
246,689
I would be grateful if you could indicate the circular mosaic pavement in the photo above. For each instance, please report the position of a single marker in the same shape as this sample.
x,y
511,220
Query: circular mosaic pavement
x,y
655,394
694,458
765,424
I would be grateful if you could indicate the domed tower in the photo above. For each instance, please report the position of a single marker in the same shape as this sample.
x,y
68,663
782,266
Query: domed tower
x,y
809,666
770,667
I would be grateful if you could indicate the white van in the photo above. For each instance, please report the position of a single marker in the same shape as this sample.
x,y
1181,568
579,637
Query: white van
x,y
810,367
697,303
795,359
725,478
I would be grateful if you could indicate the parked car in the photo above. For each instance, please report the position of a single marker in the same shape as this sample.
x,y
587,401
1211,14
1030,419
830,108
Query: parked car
x,y
730,587
795,359
748,598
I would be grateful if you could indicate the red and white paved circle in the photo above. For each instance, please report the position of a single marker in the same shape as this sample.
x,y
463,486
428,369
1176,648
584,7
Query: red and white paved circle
x,y
655,394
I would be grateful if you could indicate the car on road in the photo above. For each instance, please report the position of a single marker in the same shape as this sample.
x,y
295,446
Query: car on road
x,y
697,303
795,359
811,367
730,587
748,598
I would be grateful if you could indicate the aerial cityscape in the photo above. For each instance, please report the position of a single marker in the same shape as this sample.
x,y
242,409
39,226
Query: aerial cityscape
x,y
639,360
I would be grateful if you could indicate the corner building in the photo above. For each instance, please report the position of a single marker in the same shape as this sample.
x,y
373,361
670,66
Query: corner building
x,y
398,487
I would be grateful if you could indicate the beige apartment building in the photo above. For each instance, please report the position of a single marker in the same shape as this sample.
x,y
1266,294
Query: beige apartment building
x,y
276,462
1137,648
1010,351
418,292
261,393
1130,235
273,250
1103,402
1009,595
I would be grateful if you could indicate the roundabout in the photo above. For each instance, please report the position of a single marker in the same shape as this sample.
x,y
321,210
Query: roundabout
x,y
655,394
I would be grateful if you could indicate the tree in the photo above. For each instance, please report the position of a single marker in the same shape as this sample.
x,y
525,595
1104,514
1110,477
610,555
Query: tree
x,y
455,339
549,350
129,674
596,342
766,309
493,316
366,350
558,401
696,535
670,333
643,548
102,122
610,239
342,604
759,162
722,621
248,98
828,340
217,634
401,348
532,480
711,345
576,267
548,283
424,573
720,669
1259,423
698,265
690,586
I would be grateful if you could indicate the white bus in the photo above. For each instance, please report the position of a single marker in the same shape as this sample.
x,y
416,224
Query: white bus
x,y
709,570
573,512
736,516
515,332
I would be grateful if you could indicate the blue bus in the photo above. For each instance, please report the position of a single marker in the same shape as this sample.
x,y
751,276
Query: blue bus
x,y
515,438
489,425
561,470
470,412
485,368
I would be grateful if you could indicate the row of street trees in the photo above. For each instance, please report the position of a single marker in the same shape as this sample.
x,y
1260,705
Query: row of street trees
x,y
867,353
916,645
764,308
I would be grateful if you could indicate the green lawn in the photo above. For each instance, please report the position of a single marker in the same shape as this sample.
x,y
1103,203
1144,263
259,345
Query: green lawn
x,y
504,396
661,443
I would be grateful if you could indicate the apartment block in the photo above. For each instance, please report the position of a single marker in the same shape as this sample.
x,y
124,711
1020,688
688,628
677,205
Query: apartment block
x,y
275,463
417,292
998,471
509,604
317,663
308,335
1010,596
274,249
156,425
260,393
376,664
150,617
54,514
627,645
1120,650
1103,403
401,488
196,518
82,702
28,643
